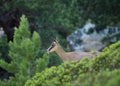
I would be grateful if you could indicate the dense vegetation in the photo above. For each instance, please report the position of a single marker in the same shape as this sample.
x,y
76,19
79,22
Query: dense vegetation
x,y
24,56
51,18
4,48
48,17
103,70
22,49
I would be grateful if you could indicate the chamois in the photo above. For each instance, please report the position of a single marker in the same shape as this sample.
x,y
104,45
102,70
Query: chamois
x,y
68,56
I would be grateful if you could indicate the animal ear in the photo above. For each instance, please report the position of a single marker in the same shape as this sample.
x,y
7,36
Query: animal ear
x,y
55,39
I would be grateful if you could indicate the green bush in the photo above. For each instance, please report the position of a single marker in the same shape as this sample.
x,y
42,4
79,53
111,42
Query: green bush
x,y
4,48
23,53
103,78
66,13
87,72
60,17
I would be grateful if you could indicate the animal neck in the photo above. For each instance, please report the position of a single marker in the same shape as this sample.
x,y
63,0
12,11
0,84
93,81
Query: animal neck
x,y
61,53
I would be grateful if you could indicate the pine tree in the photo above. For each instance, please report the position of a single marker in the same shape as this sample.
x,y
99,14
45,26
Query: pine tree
x,y
23,52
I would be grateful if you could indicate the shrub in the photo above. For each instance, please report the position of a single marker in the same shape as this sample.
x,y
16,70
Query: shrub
x,y
4,48
103,78
85,71
23,52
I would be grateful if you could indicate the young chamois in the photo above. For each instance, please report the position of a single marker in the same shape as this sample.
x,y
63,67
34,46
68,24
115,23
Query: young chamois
x,y
68,56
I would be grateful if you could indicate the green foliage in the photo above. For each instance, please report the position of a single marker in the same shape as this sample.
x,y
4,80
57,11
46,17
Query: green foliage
x,y
49,15
53,18
72,13
101,12
4,49
103,70
23,52
103,78
54,60
42,63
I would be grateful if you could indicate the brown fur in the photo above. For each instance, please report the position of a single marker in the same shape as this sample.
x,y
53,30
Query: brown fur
x,y
68,56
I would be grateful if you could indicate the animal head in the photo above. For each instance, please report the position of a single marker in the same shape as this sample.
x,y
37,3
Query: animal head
x,y
53,47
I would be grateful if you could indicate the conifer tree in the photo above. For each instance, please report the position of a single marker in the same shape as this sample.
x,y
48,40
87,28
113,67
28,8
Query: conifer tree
x,y
23,52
